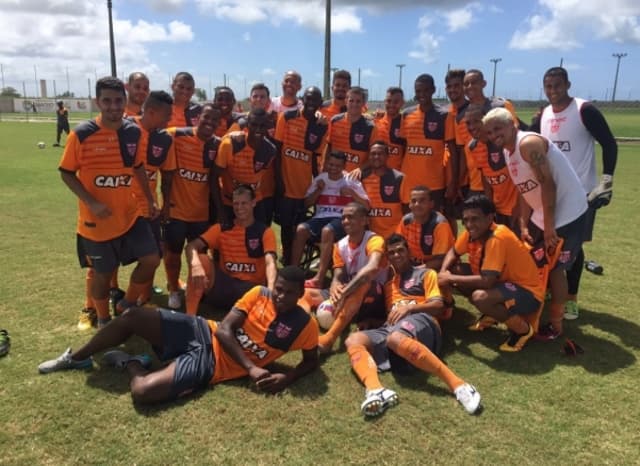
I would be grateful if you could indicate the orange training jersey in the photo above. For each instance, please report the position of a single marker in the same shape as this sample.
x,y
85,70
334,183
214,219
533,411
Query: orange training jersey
x,y
330,109
504,256
190,186
491,162
354,139
229,123
389,132
265,335
418,284
242,164
429,240
302,142
104,161
386,197
242,250
185,116
426,134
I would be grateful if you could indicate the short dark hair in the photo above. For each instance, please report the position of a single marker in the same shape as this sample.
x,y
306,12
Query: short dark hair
x,y
157,98
358,91
475,71
396,238
479,201
557,71
342,74
259,87
361,209
244,189
378,142
184,74
212,105
457,73
292,274
338,155
221,90
136,75
111,83
395,90
422,188
426,78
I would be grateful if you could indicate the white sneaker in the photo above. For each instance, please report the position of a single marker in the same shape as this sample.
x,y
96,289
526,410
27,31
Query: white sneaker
x,y
175,300
468,397
64,362
119,359
377,401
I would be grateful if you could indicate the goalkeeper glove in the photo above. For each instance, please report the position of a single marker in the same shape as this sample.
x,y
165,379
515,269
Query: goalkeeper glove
x,y
601,194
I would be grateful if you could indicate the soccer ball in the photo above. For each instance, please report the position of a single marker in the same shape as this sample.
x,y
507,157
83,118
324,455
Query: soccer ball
x,y
41,145
324,314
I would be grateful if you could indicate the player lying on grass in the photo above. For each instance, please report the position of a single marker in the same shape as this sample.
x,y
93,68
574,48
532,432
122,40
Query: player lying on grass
x,y
410,338
262,326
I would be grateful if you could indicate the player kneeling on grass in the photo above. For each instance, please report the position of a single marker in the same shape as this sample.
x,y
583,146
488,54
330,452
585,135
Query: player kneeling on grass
x,y
410,335
504,283
262,326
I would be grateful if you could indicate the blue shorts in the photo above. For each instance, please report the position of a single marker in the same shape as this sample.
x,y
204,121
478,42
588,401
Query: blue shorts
x,y
315,226
105,256
518,300
421,327
187,339
176,232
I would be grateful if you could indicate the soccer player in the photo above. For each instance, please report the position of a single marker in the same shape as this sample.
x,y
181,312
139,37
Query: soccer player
x,y
185,113
426,131
385,188
261,327
301,139
291,84
504,283
99,163
243,158
62,115
137,88
574,124
358,277
388,127
191,191
246,251
552,198
340,84
410,335
350,132
329,193
456,165
427,231
226,100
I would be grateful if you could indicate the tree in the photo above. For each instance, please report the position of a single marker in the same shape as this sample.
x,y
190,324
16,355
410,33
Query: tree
x,y
9,92
67,95
200,94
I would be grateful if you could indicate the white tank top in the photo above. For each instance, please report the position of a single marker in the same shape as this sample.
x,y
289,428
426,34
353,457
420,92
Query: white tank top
x,y
571,200
567,131
356,258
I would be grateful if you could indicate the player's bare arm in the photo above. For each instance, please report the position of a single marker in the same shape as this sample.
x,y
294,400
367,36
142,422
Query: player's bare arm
x,y
364,275
196,270
98,209
271,269
141,175
276,382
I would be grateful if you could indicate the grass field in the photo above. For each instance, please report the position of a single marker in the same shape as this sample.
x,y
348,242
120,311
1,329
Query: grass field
x,y
541,407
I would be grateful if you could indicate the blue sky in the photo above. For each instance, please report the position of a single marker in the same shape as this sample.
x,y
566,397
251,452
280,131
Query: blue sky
x,y
258,40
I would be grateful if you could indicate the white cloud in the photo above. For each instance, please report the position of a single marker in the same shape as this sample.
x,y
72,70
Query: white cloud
x,y
565,24
427,45
246,37
268,72
166,5
495,9
369,73
460,18
143,31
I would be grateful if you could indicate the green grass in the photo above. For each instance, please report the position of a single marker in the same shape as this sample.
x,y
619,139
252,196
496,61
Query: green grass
x,y
541,407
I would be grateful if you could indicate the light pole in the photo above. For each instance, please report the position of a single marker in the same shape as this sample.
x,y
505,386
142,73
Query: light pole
x,y
400,66
327,48
495,68
111,42
619,56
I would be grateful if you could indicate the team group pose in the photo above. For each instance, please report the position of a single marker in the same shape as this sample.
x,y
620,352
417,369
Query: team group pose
x,y
368,209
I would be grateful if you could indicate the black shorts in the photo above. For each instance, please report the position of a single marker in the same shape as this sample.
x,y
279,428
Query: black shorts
x,y
226,291
291,211
105,256
176,232
517,300
573,236
421,327
187,339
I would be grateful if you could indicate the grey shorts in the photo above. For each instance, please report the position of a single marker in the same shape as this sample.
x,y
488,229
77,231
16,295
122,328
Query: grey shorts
x,y
518,300
420,327
573,235
187,339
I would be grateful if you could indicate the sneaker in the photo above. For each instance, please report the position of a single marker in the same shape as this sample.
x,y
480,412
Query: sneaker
x,y
175,300
115,296
468,397
88,318
377,401
482,323
571,310
516,341
546,332
5,342
64,362
119,359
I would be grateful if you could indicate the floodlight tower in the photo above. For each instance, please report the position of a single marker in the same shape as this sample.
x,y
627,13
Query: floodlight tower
x,y
495,67
111,42
619,56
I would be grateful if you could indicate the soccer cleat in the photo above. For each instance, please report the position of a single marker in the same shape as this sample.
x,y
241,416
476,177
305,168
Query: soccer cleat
x,y
175,300
482,323
115,296
5,342
88,318
516,341
377,401
571,310
119,359
157,289
64,362
55,144
468,397
546,332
